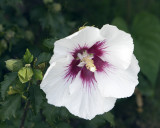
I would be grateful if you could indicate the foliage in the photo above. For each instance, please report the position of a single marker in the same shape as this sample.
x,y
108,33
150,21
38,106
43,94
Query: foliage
x,y
28,30
9,107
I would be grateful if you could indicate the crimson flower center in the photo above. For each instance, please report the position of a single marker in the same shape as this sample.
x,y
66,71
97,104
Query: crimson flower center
x,y
87,61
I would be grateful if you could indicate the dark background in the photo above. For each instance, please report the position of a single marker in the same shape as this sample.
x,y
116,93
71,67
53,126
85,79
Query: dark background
x,y
36,24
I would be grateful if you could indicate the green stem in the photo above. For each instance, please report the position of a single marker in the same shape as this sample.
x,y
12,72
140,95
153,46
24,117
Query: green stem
x,y
24,114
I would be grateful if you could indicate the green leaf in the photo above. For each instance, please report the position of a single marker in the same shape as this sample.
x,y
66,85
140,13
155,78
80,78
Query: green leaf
x,y
120,23
49,43
100,120
110,118
49,113
145,87
9,107
8,81
38,74
14,64
36,97
55,114
97,122
43,57
35,121
63,125
28,57
25,74
19,88
146,31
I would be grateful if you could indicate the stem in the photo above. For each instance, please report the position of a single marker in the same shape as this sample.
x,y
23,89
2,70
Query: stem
x,y
24,114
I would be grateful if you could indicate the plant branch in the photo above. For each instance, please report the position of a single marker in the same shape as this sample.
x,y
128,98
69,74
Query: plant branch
x,y
24,114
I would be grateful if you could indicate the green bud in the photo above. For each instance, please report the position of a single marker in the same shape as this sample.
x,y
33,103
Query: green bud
x,y
57,7
29,35
10,34
25,74
14,64
38,74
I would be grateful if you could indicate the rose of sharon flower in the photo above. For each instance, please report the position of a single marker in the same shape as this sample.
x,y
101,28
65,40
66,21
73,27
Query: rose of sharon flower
x,y
90,69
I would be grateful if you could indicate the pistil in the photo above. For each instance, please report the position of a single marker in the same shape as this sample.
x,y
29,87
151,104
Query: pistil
x,y
86,59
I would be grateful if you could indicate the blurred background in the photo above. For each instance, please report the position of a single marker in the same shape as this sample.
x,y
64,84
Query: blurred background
x,y
36,24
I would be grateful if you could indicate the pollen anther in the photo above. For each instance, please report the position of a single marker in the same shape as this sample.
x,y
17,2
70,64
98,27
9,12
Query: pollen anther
x,y
89,64
86,59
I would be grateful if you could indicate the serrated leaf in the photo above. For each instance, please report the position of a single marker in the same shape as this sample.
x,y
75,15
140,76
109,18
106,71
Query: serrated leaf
x,y
28,57
49,43
38,74
14,64
8,80
146,31
43,57
120,23
36,97
25,74
100,120
9,107
49,113
54,114
63,113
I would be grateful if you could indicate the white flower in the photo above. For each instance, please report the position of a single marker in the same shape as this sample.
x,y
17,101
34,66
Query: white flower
x,y
91,69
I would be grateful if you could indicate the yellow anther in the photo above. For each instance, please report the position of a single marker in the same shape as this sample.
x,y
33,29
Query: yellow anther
x,y
89,64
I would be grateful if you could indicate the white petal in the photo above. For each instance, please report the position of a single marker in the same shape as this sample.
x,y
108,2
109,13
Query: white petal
x,y
80,101
119,46
71,36
54,84
62,48
119,83
87,102
87,36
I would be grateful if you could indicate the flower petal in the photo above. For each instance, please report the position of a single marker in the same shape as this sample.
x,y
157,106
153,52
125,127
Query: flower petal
x,y
54,84
62,48
87,36
119,83
72,70
83,101
87,102
119,46
100,64
98,48
87,77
